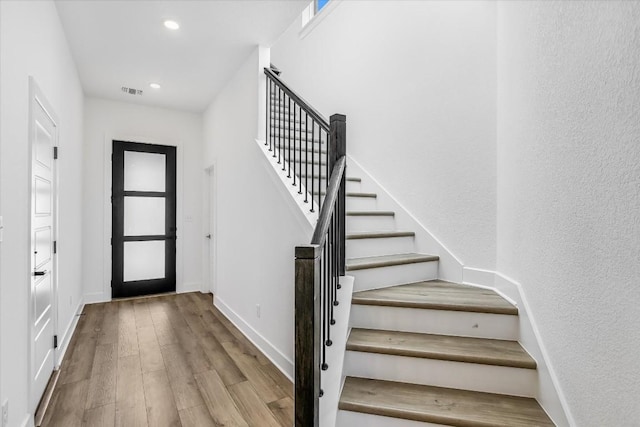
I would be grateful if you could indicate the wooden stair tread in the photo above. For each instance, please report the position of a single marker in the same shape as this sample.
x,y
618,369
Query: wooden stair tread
x,y
388,261
441,347
356,194
371,213
378,234
437,295
440,405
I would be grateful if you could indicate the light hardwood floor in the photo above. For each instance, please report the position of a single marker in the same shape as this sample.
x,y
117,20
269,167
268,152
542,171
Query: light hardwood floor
x,y
170,360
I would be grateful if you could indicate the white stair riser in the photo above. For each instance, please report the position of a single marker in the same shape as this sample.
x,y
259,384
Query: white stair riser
x,y
359,419
368,223
358,248
354,186
442,373
442,322
381,277
362,203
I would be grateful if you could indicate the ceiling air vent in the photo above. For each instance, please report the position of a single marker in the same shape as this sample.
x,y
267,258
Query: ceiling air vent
x,y
131,91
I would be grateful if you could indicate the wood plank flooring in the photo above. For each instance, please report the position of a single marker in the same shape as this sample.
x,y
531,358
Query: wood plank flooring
x,y
170,360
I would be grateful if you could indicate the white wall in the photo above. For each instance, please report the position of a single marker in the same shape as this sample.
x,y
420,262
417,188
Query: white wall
x,y
417,83
108,120
569,192
258,225
32,43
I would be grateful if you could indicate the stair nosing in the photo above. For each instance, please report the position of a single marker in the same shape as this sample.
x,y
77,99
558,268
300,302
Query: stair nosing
x,y
356,299
421,258
370,213
530,363
379,234
445,415
357,194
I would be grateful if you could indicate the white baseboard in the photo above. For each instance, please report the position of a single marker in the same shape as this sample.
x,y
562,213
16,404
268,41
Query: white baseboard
x,y
28,421
68,333
189,287
486,279
96,297
549,395
281,361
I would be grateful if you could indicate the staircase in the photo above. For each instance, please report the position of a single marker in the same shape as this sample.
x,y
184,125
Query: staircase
x,y
422,351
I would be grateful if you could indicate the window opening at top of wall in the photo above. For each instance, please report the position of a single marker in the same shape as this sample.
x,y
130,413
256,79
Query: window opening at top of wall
x,y
320,4
314,8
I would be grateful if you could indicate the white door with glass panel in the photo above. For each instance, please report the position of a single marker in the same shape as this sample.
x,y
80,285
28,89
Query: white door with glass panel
x,y
144,219
43,137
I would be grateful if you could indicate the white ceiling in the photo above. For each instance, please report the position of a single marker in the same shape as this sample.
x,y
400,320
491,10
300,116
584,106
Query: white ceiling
x,y
124,43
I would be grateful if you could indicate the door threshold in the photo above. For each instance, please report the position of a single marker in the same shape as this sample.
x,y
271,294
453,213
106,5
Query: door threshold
x,y
46,398
163,294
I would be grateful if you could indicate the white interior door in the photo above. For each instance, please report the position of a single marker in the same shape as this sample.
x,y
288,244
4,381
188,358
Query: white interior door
x,y
43,189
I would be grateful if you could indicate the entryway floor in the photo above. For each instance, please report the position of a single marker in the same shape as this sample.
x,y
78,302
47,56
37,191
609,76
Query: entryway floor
x,y
171,360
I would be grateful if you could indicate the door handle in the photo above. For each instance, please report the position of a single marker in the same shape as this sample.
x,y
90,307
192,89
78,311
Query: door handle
x,y
40,273
208,236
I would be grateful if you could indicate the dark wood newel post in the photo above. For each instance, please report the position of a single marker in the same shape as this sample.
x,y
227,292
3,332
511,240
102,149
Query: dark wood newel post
x,y
307,336
337,149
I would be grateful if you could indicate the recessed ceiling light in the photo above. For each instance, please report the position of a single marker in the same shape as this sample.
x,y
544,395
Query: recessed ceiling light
x,y
172,25
154,86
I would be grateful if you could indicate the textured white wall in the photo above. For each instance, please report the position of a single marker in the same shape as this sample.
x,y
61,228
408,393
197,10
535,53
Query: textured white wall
x,y
417,83
32,43
112,119
569,192
257,223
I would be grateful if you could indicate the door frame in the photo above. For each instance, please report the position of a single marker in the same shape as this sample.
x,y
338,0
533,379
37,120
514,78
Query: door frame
x,y
37,96
105,293
211,227
119,239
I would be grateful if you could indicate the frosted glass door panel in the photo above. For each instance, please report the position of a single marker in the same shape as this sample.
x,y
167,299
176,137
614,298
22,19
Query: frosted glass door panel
x,y
144,171
143,260
144,216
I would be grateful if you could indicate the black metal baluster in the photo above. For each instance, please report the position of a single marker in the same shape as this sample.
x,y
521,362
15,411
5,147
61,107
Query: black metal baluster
x,y
326,178
313,161
294,144
306,158
270,101
323,278
289,138
266,122
279,127
339,248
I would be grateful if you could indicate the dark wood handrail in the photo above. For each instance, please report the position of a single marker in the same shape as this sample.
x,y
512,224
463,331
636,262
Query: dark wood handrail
x,y
319,118
333,189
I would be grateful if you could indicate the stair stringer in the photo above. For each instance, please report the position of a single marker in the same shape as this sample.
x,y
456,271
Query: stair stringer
x,y
449,267
332,379
297,205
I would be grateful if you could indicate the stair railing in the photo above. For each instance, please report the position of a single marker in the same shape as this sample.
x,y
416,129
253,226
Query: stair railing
x,y
318,265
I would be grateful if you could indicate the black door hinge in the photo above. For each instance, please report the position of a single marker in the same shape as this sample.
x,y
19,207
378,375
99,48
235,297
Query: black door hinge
x,y
111,241
55,341
55,247
55,153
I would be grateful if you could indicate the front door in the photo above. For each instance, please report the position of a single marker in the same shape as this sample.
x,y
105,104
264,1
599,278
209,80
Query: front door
x,y
144,219
43,137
